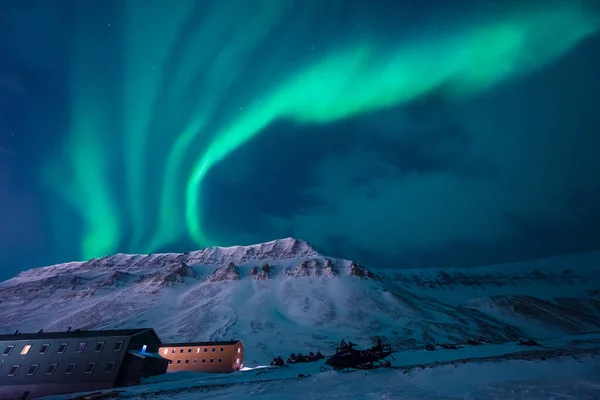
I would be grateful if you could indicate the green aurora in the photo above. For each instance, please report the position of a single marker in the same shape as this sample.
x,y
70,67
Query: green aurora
x,y
196,110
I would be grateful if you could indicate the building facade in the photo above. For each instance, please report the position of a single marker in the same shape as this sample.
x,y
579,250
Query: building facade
x,y
207,357
43,364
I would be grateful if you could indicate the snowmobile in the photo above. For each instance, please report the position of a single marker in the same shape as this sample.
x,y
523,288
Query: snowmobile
x,y
350,358
277,361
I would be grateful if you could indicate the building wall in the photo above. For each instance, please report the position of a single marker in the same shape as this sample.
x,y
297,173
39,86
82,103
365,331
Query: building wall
x,y
201,358
62,380
62,369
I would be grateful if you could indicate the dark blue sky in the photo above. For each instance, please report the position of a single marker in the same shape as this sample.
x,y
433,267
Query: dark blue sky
x,y
396,135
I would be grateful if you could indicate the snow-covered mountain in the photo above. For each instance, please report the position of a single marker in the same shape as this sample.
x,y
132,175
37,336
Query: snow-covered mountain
x,y
283,296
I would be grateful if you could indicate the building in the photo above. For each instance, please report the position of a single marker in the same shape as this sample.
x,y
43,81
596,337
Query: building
x,y
204,356
42,364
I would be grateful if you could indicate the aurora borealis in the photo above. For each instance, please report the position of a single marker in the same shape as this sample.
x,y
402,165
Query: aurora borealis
x,y
163,114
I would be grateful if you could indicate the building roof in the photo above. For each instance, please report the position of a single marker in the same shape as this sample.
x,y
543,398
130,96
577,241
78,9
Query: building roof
x,y
192,344
138,353
74,334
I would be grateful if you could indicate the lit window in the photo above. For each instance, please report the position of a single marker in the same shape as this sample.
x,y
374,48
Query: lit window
x,y
220,360
198,350
166,351
26,349
13,370
44,348
71,368
51,369
222,349
99,346
195,361
237,360
118,345
8,350
90,368
212,360
110,366
33,369
144,347
239,349
80,347
62,348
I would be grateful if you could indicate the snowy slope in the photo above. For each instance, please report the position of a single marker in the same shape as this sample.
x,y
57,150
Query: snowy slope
x,y
282,296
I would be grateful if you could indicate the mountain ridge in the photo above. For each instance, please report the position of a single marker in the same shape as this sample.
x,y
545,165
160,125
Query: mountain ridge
x,y
283,294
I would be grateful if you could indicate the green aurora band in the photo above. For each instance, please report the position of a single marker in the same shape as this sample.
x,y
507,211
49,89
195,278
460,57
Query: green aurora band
x,y
209,118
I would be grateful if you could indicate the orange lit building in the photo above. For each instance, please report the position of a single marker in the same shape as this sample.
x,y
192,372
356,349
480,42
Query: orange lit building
x,y
203,356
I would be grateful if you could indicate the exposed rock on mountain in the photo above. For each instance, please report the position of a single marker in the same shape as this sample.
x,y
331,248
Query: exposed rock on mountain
x,y
362,273
228,273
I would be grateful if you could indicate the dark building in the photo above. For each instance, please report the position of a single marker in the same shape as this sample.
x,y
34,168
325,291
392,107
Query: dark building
x,y
204,356
42,364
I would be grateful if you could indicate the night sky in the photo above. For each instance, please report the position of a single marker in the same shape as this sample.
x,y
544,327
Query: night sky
x,y
395,133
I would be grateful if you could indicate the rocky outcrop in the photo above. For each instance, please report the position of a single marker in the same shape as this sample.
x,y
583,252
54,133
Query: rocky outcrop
x,y
313,268
228,273
356,270
117,278
261,273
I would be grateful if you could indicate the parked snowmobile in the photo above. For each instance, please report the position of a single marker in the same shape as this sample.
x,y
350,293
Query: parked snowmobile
x,y
349,358
277,361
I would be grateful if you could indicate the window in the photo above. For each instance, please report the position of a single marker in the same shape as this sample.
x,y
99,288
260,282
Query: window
x,y
62,348
239,349
187,361
51,369
80,347
99,346
71,368
178,361
237,360
204,361
222,349
198,350
110,366
170,362
8,350
181,351
189,350
173,351
119,346
195,361
44,348
214,349
13,370
144,347
212,360
33,369
220,360
90,368
205,349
